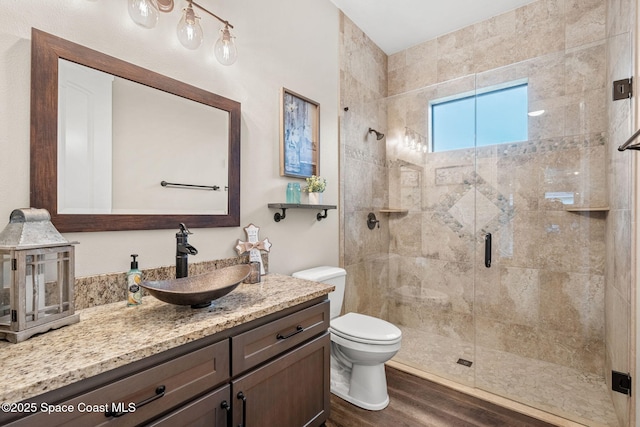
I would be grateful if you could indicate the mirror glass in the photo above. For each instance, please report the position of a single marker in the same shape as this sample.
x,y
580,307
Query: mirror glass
x,y
118,141
118,147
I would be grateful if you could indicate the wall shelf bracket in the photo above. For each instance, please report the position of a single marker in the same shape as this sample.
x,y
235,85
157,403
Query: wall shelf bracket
x,y
279,216
321,216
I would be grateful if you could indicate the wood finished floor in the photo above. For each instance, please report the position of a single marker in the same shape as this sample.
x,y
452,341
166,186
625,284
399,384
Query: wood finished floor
x,y
418,402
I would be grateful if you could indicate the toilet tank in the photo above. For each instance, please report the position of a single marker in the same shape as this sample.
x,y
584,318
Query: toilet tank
x,y
332,276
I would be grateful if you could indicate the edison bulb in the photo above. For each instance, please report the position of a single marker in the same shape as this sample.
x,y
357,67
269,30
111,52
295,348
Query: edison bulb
x,y
143,12
189,29
225,48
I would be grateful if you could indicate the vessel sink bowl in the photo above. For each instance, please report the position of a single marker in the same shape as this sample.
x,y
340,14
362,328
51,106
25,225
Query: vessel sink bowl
x,y
198,291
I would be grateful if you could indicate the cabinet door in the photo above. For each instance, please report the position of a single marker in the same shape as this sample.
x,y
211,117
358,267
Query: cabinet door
x,y
290,391
211,410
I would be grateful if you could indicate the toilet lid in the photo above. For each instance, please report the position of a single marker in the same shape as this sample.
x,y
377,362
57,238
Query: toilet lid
x,y
363,328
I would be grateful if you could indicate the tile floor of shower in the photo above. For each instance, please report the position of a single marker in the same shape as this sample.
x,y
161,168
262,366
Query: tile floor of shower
x,y
562,391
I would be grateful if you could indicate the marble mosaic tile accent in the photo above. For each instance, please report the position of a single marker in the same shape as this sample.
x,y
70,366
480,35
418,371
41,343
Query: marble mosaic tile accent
x,y
362,155
449,175
476,208
544,145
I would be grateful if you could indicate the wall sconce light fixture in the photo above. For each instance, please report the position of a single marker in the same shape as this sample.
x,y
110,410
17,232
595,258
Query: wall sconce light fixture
x,y
415,141
145,13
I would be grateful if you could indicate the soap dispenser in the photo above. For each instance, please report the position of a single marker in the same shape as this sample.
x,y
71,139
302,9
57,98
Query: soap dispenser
x,y
134,277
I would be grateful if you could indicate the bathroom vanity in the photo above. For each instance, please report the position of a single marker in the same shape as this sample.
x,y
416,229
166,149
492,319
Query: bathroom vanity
x,y
258,356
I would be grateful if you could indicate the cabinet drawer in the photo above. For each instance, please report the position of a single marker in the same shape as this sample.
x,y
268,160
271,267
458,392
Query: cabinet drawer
x,y
258,345
209,410
145,395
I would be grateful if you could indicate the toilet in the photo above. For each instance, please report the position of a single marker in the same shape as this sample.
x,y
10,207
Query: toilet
x,y
360,346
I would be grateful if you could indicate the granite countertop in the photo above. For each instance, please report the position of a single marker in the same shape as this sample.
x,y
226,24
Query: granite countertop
x,y
114,335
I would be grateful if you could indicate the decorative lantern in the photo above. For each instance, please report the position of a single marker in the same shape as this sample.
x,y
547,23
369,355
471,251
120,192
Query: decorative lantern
x,y
36,276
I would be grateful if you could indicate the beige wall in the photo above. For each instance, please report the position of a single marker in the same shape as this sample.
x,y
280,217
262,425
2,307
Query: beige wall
x,y
280,43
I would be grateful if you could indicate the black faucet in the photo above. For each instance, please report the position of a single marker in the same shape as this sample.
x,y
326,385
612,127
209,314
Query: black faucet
x,y
183,250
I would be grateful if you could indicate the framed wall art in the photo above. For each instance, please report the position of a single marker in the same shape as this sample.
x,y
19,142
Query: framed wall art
x,y
299,135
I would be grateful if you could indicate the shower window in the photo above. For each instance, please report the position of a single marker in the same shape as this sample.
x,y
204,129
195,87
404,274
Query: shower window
x,y
491,116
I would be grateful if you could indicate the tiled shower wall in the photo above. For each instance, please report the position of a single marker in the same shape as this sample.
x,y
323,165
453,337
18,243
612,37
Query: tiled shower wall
x,y
550,296
547,283
363,171
543,298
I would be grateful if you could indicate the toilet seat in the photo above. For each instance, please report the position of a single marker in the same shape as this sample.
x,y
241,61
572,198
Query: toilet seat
x,y
365,329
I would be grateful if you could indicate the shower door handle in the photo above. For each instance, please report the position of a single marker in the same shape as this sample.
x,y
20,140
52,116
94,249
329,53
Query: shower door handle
x,y
487,250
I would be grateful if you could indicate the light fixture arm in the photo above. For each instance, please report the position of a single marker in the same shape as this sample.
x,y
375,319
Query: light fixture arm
x,y
210,13
189,31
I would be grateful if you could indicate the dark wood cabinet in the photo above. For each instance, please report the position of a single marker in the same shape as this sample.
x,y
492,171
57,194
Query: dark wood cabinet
x,y
273,371
210,410
260,344
137,398
290,391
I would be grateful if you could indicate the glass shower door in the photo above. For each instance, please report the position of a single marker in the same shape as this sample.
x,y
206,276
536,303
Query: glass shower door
x,y
528,325
539,303
432,245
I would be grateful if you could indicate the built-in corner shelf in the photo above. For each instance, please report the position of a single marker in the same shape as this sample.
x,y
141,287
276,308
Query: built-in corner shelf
x,y
588,209
394,210
277,217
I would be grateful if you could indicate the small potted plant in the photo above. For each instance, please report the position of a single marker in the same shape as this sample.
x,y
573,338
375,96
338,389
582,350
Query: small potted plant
x,y
315,187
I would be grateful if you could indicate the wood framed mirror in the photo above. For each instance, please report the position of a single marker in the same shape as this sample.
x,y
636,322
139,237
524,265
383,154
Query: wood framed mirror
x,y
212,114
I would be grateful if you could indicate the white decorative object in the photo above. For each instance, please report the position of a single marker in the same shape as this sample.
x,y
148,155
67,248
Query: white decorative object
x,y
253,245
315,198
315,186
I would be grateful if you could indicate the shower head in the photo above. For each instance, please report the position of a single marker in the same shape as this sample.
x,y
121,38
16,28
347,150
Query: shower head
x,y
379,135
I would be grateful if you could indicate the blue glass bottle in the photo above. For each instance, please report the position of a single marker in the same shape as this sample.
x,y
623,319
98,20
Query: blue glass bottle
x,y
293,193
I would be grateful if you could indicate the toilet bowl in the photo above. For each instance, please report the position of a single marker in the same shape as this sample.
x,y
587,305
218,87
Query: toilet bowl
x,y
360,345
